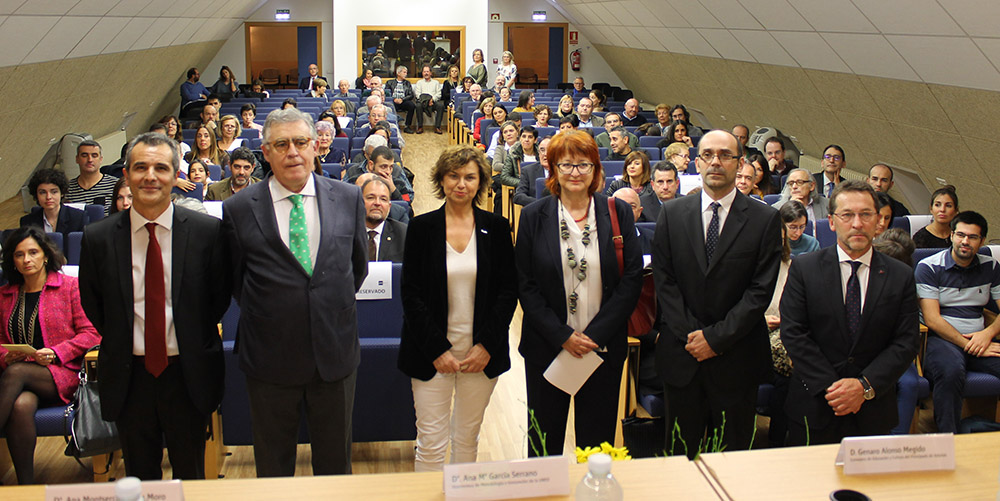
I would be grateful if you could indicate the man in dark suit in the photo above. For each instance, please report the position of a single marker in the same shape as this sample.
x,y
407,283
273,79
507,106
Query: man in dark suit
x,y
665,185
715,263
386,237
524,194
880,179
307,81
298,331
849,343
153,282
833,162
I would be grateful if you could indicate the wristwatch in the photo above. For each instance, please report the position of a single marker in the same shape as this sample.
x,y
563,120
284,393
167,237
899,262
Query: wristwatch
x,y
869,391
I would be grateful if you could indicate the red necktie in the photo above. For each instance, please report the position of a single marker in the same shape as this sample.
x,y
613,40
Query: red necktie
x,y
156,305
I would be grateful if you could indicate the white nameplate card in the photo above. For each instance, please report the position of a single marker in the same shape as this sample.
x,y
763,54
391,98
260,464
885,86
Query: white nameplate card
x,y
522,478
378,283
895,453
164,490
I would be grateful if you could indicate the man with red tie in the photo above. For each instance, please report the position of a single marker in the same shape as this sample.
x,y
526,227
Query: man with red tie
x,y
153,282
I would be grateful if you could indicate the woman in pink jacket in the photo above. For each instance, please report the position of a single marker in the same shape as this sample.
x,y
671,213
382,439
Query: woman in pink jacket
x,y
40,308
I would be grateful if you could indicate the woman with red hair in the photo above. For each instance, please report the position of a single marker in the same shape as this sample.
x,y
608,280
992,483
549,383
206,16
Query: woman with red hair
x,y
575,296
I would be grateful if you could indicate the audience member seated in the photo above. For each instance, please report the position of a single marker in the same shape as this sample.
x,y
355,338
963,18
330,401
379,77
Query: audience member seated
x,y
880,179
599,99
619,144
308,82
192,89
197,173
524,194
584,110
326,130
742,133
381,162
679,155
47,187
428,99
247,113
400,92
505,95
257,90
511,135
612,120
364,82
499,117
677,132
386,237
569,122
396,212
637,175
665,186
319,87
123,196
800,187
525,151
944,208
631,116
629,196
91,186
953,286
209,117
579,90
542,115
206,149
766,185
884,212
795,219
229,136
680,114
378,115
486,108
565,106
663,121
774,149
226,86
289,103
745,183
498,85
56,328
241,165
525,102
832,163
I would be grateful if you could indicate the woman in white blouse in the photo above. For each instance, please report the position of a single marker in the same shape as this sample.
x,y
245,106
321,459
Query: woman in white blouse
x,y
508,69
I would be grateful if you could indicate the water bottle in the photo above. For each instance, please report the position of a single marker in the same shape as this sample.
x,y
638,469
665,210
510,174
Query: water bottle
x,y
599,484
128,489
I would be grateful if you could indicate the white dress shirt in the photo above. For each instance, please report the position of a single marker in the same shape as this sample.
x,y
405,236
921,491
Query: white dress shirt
x,y
140,243
282,207
863,272
378,235
726,203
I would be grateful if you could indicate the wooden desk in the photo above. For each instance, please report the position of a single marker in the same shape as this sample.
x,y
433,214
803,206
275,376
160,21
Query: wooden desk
x,y
656,478
809,473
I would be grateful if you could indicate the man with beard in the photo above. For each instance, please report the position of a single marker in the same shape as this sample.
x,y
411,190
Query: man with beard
x,y
241,163
385,236
192,89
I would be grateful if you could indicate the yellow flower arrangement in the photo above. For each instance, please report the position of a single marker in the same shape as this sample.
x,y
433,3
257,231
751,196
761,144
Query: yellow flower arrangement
x,y
616,453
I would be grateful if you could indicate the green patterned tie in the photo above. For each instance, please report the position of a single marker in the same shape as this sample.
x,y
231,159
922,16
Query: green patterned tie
x,y
298,234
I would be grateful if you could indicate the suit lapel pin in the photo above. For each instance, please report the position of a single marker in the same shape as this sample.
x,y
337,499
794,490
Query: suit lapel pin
x,y
881,272
483,230
388,238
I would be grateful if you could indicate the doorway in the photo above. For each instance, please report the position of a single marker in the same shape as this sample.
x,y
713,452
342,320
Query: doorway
x,y
539,51
278,53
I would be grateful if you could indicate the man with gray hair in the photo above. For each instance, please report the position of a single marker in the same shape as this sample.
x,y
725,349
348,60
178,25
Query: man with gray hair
x,y
153,283
378,114
802,187
400,92
298,331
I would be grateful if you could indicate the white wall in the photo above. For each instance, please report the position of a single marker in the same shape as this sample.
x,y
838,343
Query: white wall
x,y
233,52
349,14
593,67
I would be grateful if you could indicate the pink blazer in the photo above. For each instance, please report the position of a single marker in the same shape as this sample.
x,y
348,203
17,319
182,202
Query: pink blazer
x,y
65,328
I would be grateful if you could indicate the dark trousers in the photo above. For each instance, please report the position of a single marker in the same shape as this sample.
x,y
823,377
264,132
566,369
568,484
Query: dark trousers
x,y
437,108
409,107
275,411
701,407
595,408
833,433
159,410
945,365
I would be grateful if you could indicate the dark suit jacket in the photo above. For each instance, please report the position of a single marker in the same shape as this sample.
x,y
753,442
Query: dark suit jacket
x,y
814,331
293,324
200,293
540,282
725,298
524,194
820,178
425,293
650,208
69,220
391,241
898,209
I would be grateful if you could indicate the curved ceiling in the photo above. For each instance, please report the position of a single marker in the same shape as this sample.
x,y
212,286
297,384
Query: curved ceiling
x,y
949,42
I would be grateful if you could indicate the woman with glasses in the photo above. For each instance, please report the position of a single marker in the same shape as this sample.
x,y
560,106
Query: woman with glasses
x,y
230,138
575,296
795,218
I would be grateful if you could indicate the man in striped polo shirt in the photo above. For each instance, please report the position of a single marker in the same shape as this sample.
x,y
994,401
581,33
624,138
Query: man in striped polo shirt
x,y
91,186
953,286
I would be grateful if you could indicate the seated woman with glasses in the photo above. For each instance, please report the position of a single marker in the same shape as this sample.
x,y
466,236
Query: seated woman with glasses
x,y
793,215
575,296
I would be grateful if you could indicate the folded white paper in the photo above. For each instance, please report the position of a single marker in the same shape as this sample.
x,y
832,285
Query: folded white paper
x,y
568,373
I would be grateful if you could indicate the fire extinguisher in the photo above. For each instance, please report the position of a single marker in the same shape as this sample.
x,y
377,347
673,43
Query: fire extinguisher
x,y
574,58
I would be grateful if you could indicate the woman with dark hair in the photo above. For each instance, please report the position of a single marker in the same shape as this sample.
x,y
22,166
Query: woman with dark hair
x,y
459,294
486,107
247,113
226,86
676,133
123,196
765,184
542,115
478,70
509,135
48,187
576,296
364,82
525,151
637,175
525,102
795,220
289,103
206,150
467,83
597,97
944,208
175,131
40,310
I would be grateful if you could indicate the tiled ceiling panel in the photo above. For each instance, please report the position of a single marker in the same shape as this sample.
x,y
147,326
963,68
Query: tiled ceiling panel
x,y
20,34
949,42
61,39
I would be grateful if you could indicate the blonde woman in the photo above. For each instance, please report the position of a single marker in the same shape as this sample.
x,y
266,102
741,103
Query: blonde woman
x,y
231,130
507,69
